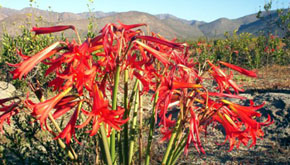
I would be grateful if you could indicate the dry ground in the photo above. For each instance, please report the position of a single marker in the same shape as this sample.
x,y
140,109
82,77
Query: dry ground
x,y
270,78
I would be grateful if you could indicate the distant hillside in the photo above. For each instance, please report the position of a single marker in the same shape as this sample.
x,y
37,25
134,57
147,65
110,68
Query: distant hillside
x,y
167,25
196,23
218,27
262,26
172,17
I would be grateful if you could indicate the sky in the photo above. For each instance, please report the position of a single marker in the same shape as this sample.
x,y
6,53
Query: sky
x,y
201,10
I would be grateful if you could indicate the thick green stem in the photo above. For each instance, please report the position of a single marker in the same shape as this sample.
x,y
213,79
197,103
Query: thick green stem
x,y
114,107
151,130
175,152
126,79
132,96
176,140
115,90
140,128
106,145
178,151
126,114
133,130
122,154
172,139
120,148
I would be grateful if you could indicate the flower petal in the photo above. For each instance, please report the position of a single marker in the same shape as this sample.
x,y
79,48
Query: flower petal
x,y
52,29
239,69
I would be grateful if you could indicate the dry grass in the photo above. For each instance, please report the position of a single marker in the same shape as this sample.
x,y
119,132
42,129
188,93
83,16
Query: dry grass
x,y
271,77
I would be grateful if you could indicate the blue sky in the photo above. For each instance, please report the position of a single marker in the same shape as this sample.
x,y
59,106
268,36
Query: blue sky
x,y
203,10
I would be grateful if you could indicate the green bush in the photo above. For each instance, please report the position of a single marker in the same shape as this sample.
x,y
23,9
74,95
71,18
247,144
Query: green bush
x,y
243,49
28,44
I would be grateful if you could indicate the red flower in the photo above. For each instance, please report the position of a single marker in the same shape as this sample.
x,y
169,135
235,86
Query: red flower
x,y
223,80
167,89
128,27
272,50
41,110
83,76
162,57
266,49
239,69
8,111
64,105
29,62
161,41
78,69
69,130
239,123
166,132
247,114
101,114
236,51
179,85
45,30
90,68
233,131
194,133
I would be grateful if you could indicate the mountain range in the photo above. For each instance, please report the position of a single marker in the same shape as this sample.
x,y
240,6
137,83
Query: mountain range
x,y
167,25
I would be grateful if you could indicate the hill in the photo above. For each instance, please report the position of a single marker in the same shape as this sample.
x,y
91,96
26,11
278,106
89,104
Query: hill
x,y
167,25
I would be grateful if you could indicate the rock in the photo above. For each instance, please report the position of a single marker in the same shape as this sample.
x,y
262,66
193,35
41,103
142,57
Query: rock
x,y
6,89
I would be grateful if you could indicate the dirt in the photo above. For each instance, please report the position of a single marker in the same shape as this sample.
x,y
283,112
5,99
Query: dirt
x,y
269,78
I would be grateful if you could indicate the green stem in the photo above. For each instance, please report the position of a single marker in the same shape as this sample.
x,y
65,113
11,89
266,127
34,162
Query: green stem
x,y
106,145
133,127
172,139
126,125
151,130
132,95
178,152
114,107
120,148
176,140
126,114
140,128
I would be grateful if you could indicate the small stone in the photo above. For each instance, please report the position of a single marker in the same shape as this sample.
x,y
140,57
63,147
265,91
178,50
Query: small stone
x,y
6,89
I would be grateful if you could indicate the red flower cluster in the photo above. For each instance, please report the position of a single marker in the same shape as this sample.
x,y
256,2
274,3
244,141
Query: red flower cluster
x,y
8,108
163,66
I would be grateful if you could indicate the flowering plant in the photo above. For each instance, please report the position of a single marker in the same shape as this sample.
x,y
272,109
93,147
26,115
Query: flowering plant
x,y
87,84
